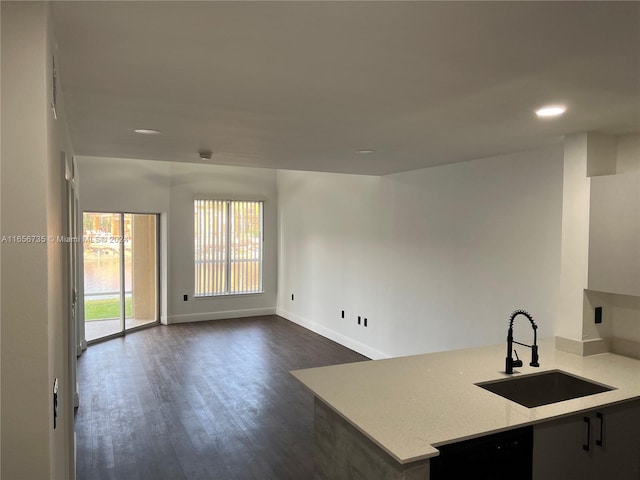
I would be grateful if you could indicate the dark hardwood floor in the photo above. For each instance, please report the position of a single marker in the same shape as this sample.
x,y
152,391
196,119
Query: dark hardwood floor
x,y
208,400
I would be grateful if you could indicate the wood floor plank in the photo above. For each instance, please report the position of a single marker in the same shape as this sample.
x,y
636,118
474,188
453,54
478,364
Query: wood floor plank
x,y
207,400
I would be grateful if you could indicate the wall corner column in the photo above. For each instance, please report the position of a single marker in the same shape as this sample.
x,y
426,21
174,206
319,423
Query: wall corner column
x,y
585,155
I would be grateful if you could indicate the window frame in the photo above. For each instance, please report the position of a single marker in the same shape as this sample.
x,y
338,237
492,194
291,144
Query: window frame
x,y
228,260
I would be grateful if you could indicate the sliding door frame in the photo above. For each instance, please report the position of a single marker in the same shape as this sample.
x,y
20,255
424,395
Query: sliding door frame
x,y
123,330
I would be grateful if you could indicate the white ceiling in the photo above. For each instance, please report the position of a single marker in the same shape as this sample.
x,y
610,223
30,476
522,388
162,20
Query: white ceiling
x,y
304,85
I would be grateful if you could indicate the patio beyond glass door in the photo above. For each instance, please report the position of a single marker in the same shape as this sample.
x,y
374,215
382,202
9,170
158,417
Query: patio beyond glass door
x,y
120,272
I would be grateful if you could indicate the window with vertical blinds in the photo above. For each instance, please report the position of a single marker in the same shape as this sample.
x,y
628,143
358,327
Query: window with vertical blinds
x,y
228,247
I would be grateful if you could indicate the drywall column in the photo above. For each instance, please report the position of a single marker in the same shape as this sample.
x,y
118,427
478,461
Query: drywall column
x,y
585,155
625,334
26,392
574,250
601,160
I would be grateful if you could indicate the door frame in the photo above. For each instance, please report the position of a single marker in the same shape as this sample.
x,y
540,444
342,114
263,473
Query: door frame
x,y
123,330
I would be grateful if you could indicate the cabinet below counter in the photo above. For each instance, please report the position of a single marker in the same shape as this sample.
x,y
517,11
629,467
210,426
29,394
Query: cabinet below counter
x,y
591,445
392,416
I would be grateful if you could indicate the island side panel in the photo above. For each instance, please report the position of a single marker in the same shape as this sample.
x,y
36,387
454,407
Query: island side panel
x,y
344,453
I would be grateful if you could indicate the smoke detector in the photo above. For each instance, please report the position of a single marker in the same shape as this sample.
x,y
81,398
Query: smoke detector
x,y
205,154
147,131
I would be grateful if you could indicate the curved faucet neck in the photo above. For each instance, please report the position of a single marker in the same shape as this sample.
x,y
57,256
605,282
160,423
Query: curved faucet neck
x,y
524,313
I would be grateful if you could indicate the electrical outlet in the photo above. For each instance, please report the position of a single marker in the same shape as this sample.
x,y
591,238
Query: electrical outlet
x,y
365,321
185,297
598,315
292,297
359,320
342,313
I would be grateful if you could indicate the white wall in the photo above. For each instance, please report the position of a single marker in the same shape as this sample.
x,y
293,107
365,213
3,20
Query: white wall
x,y
35,331
628,153
117,185
625,310
60,151
575,237
590,155
0,250
189,180
140,186
435,258
329,243
625,319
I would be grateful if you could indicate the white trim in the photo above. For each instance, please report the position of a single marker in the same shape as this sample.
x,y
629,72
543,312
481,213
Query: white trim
x,y
227,295
595,346
583,347
337,337
203,317
628,348
226,197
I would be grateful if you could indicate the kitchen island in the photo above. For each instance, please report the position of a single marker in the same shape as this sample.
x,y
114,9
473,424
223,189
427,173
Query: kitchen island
x,y
387,418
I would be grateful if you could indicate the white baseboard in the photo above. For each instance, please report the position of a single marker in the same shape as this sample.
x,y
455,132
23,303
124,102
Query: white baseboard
x,y
583,347
619,346
203,317
337,337
628,348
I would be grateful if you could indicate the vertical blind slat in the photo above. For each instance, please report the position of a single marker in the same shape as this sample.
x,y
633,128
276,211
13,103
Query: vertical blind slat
x,y
207,253
246,265
242,253
196,213
230,276
216,247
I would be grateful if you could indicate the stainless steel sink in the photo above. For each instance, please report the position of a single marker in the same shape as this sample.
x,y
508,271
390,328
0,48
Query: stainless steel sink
x,y
544,388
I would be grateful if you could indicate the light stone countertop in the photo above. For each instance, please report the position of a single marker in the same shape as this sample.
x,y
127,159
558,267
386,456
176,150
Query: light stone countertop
x,y
410,405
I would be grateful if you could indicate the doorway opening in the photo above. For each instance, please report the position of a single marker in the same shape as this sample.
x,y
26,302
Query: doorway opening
x,y
120,273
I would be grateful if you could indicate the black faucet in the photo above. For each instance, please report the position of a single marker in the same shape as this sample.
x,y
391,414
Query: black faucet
x,y
534,348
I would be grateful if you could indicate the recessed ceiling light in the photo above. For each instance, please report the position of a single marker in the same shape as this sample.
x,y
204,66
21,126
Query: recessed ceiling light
x,y
147,131
551,110
365,150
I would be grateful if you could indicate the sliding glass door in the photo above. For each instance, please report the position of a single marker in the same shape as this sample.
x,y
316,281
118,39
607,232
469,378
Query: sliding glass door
x,y
120,272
